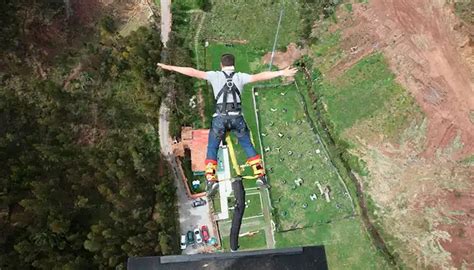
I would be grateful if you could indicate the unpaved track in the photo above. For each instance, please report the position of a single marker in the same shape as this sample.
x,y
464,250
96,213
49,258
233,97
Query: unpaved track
x,y
424,51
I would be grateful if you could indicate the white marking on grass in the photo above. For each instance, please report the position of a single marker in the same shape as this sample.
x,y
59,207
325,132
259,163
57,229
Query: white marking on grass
x,y
245,218
249,194
326,155
273,225
252,188
257,216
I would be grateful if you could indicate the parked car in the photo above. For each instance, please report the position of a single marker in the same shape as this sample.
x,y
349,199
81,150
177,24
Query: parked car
x,y
199,202
197,235
205,233
183,241
190,237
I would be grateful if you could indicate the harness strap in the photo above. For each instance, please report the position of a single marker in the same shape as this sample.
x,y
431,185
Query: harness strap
x,y
234,88
228,88
228,76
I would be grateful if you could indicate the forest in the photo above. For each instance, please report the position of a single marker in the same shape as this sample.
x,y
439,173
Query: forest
x,y
83,184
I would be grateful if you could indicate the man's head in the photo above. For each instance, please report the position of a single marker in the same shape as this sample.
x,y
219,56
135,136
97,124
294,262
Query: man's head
x,y
227,60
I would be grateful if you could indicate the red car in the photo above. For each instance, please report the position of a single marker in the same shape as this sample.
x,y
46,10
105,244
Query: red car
x,y
205,233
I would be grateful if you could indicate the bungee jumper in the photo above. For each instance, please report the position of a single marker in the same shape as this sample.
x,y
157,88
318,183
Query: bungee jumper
x,y
227,85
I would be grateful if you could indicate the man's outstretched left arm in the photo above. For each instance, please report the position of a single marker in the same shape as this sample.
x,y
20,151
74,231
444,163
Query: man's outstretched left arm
x,y
191,72
268,75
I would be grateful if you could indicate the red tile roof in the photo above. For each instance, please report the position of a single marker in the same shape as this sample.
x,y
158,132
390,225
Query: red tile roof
x,y
198,148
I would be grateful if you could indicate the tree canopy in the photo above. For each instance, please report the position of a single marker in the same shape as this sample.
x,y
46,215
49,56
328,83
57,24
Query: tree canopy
x,y
82,183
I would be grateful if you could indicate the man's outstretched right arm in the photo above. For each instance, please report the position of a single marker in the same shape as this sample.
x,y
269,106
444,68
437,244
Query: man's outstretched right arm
x,y
191,72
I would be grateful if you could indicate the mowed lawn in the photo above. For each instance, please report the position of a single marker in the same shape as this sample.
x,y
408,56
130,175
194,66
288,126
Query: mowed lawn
x,y
253,205
254,22
346,242
247,242
368,90
249,225
297,162
285,128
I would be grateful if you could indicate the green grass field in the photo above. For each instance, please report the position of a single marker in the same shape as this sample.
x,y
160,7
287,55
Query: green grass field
x,y
346,242
253,205
254,22
216,202
368,90
293,151
249,224
333,224
256,241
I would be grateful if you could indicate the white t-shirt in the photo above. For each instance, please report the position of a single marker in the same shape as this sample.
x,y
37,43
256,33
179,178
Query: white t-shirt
x,y
218,80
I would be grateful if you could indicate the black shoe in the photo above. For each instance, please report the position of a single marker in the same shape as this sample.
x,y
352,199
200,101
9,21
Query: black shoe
x,y
212,187
262,182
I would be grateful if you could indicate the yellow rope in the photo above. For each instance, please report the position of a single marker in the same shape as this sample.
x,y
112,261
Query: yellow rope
x,y
243,177
233,157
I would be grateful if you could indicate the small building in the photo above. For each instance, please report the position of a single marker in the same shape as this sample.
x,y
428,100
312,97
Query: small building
x,y
194,141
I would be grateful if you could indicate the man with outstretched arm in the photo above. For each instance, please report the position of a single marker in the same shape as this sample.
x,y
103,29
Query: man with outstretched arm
x,y
228,86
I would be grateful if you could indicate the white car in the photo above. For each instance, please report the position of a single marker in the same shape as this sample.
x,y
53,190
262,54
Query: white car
x,y
183,241
197,235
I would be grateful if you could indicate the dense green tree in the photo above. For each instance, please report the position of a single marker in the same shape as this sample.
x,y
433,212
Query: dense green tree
x,y
80,185
205,5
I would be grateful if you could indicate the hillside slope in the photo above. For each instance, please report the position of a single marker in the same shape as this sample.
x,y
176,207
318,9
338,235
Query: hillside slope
x,y
416,147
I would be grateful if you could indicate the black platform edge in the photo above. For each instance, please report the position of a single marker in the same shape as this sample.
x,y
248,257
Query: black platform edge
x,y
309,257
229,255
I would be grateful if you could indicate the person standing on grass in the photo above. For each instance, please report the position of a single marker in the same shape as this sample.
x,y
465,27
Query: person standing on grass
x,y
228,86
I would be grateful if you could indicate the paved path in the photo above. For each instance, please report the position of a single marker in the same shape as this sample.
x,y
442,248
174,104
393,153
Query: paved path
x,y
165,20
189,217
225,187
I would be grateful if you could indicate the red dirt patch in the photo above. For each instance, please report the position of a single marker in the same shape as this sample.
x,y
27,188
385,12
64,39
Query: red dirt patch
x,y
461,229
423,50
284,59
426,197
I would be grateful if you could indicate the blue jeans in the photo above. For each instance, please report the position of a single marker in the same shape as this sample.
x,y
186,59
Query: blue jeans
x,y
223,123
